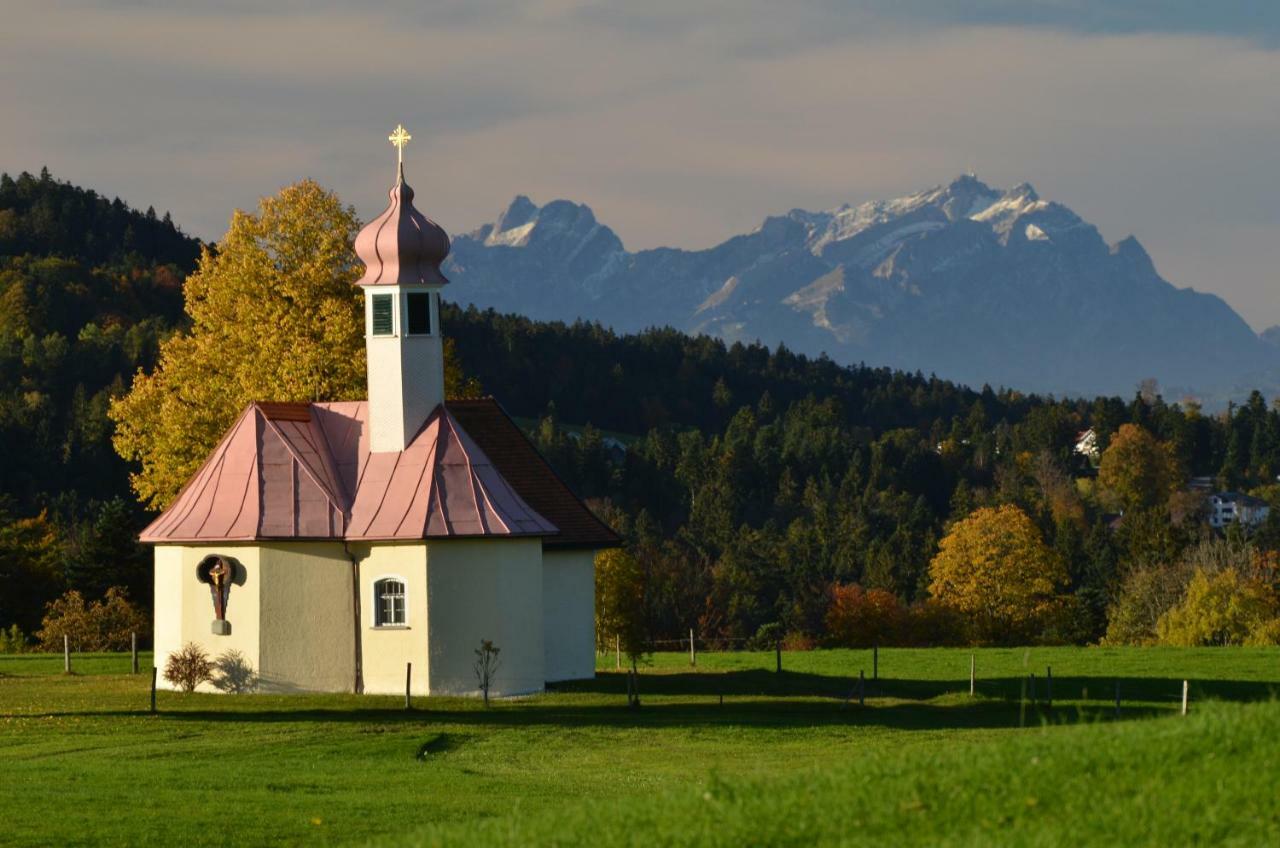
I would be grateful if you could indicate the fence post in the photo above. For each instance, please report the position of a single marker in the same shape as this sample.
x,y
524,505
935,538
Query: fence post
x,y
1184,696
1048,686
153,688
133,639
972,675
617,653
693,652
66,654
408,675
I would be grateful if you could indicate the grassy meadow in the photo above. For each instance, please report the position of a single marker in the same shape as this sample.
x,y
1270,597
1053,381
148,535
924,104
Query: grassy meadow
x,y
728,753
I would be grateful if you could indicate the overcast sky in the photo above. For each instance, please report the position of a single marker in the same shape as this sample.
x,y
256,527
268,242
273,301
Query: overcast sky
x,y
680,123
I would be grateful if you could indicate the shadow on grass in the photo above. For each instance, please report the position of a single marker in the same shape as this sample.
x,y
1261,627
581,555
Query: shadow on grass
x,y
754,698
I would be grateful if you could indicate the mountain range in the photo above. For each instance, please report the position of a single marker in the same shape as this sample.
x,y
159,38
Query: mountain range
x,y
969,282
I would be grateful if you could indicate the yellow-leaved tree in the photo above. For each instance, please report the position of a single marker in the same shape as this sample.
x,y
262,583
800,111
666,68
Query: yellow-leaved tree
x,y
1137,470
994,568
275,315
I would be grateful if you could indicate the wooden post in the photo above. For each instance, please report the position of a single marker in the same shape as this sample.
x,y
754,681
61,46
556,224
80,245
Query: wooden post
x,y
1184,696
1117,699
862,688
973,675
617,653
408,675
153,688
875,661
133,640
693,652
66,654
1048,686
777,646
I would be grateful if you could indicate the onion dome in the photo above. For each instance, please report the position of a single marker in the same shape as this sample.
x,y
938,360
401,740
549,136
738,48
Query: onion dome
x,y
402,246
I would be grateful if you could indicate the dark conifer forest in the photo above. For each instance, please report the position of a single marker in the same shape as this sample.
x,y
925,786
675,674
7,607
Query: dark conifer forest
x,y
750,483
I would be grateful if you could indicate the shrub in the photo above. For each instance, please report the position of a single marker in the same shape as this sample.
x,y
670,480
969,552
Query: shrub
x,y
13,640
233,673
105,625
859,618
931,624
797,641
1146,594
1219,609
189,667
767,637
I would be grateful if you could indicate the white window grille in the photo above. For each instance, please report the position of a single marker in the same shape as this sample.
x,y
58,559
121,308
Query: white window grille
x,y
388,603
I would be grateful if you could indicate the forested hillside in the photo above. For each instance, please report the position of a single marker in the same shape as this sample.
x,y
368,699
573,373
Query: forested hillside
x,y
88,287
758,490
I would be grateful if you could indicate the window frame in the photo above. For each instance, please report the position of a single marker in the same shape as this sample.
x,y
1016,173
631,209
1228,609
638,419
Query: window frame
x,y
431,323
374,299
376,596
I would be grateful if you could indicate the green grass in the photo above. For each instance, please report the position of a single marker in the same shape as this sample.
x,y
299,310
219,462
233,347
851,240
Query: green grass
x,y
784,760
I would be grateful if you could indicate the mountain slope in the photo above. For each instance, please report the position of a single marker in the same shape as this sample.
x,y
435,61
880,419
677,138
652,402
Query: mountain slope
x,y
976,284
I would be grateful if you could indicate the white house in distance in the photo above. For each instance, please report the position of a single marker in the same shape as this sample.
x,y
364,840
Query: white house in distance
x,y
1236,508
339,546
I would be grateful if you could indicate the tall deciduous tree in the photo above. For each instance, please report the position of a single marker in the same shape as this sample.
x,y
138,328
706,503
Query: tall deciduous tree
x,y
1137,471
275,315
995,569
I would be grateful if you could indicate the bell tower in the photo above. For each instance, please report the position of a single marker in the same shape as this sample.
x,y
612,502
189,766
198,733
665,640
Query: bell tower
x,y
402,250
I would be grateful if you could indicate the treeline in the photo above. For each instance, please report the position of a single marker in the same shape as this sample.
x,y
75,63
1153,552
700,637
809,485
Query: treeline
x,y
757,488
88,287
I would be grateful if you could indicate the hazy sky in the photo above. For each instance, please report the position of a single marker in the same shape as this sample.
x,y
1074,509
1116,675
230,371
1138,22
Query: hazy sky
x,y
680,123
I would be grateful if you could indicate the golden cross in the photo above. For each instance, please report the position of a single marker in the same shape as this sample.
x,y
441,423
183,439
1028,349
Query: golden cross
x,y
399,137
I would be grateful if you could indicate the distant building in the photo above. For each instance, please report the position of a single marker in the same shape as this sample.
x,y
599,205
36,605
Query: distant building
x,y
1200,484
1236,507
1087,445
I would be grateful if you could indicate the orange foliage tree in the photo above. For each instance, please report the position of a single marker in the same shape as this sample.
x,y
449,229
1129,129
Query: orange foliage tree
x,y
860,618
995,569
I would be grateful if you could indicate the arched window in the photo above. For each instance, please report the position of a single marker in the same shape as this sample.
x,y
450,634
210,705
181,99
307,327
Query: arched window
x,y
388,602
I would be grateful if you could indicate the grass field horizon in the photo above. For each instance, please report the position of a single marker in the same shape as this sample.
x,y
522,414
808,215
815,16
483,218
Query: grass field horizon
x,y
786,757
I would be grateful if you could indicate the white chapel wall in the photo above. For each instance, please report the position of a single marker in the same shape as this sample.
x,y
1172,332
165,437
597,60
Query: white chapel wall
x,y
307,630
386,651
485,589
568,606
184,605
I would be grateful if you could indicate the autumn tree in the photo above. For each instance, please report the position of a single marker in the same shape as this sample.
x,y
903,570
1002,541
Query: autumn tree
x,y
995,569
859,618
29,573
1137,471
1223,608
275,315
620,602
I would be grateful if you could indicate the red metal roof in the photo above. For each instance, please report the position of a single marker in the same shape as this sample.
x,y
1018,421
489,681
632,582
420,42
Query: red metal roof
x,y
518,460
305,471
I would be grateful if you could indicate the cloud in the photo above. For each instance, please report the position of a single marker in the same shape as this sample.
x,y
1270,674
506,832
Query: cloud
x,y
680,123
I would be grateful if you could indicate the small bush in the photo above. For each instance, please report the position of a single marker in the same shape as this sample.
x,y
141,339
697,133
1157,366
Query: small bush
x,y
858,618
797,641
189,667
233,673
13,641
931,624
104,625
1220,609
767,637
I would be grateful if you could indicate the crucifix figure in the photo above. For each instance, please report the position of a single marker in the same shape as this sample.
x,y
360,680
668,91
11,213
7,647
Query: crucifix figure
x,y
399,137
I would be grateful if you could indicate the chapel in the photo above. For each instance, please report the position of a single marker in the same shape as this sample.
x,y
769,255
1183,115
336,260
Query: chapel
x,y
366,546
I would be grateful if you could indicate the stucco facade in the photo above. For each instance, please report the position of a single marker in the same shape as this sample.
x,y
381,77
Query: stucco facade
x,y
290,612
568,607
485,589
